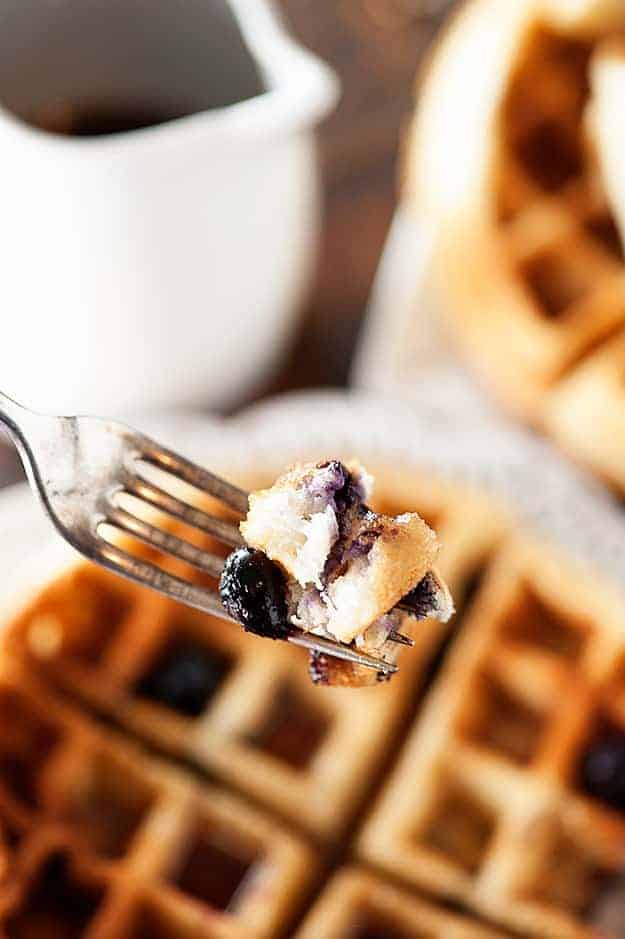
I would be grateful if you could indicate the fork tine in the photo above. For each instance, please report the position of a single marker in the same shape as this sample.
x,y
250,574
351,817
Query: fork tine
x,y
207,601
195,475
317,644
163,540
149,575
395,636
219,527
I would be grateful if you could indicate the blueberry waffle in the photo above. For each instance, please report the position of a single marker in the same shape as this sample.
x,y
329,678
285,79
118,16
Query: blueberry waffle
x,y
164,774
511,162
509,793
348,573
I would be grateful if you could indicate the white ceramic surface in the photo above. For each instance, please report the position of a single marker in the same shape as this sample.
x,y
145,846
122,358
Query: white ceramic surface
x,y
166,265
549,496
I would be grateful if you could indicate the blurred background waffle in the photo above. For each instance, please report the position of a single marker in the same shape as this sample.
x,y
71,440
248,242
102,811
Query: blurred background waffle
x,y
162,773
514,215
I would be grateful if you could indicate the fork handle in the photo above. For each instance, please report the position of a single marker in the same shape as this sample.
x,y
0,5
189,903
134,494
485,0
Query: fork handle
x,y
16,420
14,416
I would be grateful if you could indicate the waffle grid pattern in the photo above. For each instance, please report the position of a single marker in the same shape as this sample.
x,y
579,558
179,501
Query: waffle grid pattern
x,y
557,231
92,823
562,244
488,804
535,278
82,805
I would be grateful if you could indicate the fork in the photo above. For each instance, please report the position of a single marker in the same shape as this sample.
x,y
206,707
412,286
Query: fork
x,y
79,467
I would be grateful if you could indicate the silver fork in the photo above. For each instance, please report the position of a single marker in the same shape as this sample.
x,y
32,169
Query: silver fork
x,y
80,466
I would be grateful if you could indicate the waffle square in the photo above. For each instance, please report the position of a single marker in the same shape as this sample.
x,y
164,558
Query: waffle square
x,y
62,893
256,722
586,412
360,905
492,802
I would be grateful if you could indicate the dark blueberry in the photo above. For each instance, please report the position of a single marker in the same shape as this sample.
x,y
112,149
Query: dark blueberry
x,y
319,668
253,592
348,507
342,489
326,485
343,553
363,542
184,678
422,599
602,769
348,502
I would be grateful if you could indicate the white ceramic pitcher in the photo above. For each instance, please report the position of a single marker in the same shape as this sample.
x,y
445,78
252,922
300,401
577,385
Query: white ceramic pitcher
x,y
163,265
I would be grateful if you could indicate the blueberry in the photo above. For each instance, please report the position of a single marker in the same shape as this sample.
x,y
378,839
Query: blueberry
x,y
184,678
253,592
422,599
602,769
326,484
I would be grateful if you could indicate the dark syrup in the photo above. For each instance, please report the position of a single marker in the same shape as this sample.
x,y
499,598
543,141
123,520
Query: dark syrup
x,y
71,120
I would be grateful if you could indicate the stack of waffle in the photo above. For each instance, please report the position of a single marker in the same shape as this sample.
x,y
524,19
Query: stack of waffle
x,y
164,775
515,159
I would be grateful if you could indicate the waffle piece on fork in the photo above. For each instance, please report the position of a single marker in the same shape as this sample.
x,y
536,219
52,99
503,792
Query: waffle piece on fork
x,y
352,574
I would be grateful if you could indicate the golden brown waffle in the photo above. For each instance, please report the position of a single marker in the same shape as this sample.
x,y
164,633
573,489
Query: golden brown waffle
x,y
102,827
484,810
529,260
488,804
586,413
264,728
358,905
